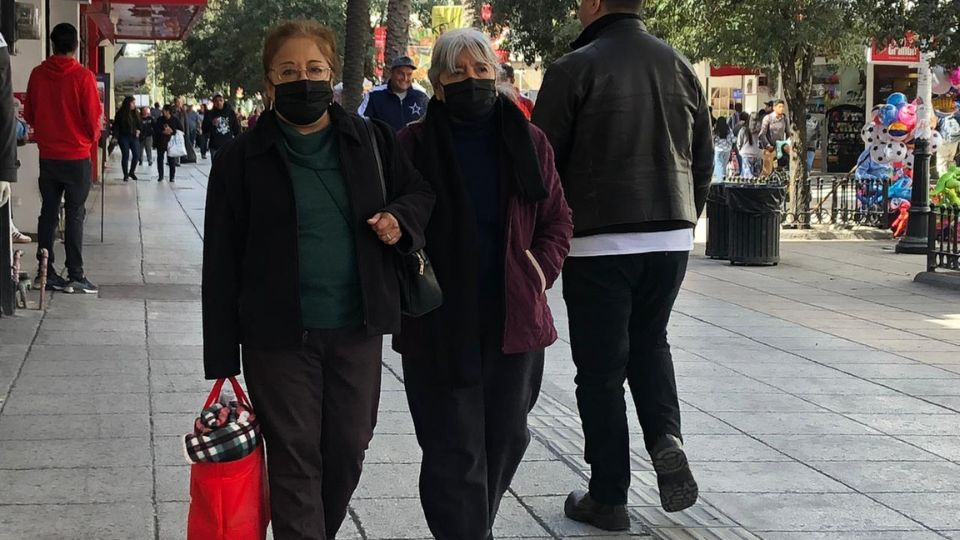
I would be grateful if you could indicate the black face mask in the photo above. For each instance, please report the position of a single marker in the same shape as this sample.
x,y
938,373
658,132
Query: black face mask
x,y
302,102
471,99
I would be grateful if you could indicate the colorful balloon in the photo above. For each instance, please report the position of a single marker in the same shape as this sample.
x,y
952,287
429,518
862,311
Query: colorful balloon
x,y
908,116
888,114
935,141
955,77
897,99
870,134
941,81
878,153
898,132
896,152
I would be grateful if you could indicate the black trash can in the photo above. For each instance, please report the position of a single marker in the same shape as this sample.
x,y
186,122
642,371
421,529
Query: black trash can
x,y
754,222
718,228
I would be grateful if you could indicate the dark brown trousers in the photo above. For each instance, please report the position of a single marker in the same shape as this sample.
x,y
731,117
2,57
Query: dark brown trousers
x,y
317,408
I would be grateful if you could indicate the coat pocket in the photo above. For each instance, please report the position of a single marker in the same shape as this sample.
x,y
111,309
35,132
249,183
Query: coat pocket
x,y
538,269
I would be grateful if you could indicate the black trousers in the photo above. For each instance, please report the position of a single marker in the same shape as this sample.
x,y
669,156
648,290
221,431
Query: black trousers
x,y
68,180
619,307
172,162
317,408
473,437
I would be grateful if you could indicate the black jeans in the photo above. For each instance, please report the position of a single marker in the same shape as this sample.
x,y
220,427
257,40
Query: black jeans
x,y
317,408
172,162
473,438
619,307
204,143
130,154
68,180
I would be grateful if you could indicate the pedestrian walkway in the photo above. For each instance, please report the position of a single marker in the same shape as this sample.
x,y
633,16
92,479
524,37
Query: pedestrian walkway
x,y
821,399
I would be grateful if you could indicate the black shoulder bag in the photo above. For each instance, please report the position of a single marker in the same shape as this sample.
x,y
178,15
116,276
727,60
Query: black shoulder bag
x,y
419,289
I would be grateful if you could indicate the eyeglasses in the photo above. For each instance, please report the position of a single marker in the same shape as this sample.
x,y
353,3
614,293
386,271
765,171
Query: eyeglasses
x,y
315,72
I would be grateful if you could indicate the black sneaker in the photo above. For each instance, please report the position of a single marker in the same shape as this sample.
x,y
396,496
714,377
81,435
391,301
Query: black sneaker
x,y
83,286
609,517
678,489
133,176
54,283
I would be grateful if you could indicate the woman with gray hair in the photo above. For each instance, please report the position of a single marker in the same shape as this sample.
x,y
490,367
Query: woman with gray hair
x,y
497,239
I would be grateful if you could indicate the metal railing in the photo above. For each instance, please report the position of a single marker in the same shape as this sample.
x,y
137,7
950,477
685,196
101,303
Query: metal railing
x,y
943,251
840,201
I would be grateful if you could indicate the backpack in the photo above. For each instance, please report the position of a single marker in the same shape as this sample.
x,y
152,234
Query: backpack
x,y
950,129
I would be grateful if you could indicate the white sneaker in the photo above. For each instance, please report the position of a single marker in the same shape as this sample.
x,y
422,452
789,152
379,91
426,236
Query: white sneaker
x,y
20,238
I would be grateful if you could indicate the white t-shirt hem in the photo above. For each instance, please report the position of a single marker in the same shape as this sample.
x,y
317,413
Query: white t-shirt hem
x,y
602,245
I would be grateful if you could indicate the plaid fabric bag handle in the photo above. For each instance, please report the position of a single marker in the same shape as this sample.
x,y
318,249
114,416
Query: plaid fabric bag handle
x,y
237,390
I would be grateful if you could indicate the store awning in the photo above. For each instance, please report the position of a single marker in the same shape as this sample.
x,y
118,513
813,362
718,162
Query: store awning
x,y
731,71
140,20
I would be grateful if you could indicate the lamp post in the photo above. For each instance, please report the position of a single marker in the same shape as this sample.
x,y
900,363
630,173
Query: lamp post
x,y
915,241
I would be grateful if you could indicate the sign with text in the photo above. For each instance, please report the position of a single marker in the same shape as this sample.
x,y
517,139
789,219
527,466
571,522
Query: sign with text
x,y
900,52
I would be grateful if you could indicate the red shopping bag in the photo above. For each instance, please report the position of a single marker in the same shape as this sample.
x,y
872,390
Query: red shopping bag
x,y
230,500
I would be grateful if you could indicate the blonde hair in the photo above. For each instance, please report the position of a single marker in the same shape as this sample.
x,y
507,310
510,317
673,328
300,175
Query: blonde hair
x,y
321,35
452,43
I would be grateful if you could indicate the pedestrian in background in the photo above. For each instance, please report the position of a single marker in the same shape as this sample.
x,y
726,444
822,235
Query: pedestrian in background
x,y
163,131
64,109
146,135
220,124
775,126
722,144
497,239
310,304
128,126
204,137
508,77
748,144
193,123
397,103
636,195
181,113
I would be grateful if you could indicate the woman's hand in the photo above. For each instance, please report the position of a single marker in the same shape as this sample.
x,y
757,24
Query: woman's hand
x,y
167,130
386,227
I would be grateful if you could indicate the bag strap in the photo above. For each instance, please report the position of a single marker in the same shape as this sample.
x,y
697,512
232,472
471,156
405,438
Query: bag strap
x,y
376,153
237,389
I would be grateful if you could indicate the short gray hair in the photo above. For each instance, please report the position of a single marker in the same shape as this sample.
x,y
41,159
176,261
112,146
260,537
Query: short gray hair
x,y
454,42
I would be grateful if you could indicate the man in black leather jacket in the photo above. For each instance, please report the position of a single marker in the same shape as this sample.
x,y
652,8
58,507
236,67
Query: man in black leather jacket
x,y
631,130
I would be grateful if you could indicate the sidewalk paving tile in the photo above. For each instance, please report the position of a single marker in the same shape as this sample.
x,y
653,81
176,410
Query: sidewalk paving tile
x,y
109,521
936,478
812,512
76,486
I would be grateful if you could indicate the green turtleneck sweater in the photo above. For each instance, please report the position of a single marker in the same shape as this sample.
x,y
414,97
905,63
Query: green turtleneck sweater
x,y
330,295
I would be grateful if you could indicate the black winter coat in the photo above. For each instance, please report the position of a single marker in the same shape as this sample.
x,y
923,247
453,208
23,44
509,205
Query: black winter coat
x,y
631,132
251,277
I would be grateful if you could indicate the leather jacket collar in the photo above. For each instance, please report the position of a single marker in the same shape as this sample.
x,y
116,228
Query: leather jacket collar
x,y
593,31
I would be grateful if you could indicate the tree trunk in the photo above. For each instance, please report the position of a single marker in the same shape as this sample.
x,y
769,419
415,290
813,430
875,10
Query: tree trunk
x,y
797,73
355,51
398,30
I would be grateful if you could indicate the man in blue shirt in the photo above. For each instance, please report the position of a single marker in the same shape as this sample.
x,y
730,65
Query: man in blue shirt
x,y
397,103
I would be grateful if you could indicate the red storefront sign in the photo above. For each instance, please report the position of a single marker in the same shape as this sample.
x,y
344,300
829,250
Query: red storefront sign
x,y
902,52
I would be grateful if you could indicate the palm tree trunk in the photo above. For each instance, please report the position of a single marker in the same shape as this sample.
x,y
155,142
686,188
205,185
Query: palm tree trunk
x,y
355,51
398,29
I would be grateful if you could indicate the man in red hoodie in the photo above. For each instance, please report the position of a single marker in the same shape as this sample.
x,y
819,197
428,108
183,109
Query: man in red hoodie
x,y
64,108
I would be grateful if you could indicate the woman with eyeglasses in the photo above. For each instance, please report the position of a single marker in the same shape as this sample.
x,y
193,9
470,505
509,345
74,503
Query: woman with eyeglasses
x,y
299,275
